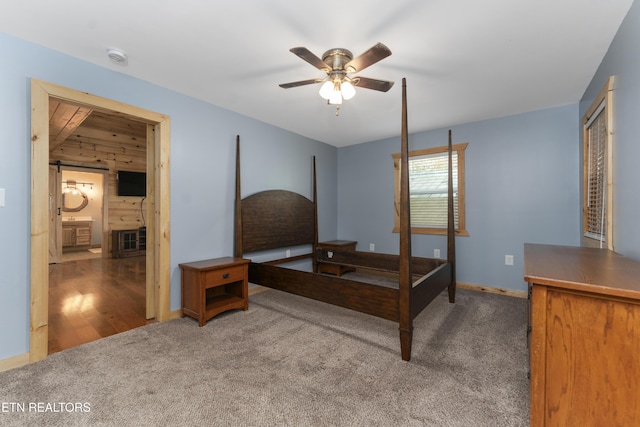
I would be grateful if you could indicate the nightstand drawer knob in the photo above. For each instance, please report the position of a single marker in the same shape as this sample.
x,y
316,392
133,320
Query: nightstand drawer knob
x,y
225,276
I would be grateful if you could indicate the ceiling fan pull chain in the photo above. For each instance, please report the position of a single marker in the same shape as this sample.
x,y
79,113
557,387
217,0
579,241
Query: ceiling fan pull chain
x,y
337,110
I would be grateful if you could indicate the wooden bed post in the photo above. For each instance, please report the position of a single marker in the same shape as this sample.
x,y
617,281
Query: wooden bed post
x,y
315,219
451,229
405,279
237,224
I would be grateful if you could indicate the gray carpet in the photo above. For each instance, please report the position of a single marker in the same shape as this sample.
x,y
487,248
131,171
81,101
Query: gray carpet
x,y
289,361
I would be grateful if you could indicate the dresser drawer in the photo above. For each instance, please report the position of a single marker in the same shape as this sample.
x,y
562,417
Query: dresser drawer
x,y
83,236
224,275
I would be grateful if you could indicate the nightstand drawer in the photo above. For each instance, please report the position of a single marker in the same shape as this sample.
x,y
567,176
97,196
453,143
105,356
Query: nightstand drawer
x,y
224,275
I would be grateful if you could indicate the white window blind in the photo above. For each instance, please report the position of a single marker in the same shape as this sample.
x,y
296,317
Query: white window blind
x,y
428,187
595,221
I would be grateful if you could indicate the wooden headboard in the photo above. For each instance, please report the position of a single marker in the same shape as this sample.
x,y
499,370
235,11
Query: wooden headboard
x,y
274,219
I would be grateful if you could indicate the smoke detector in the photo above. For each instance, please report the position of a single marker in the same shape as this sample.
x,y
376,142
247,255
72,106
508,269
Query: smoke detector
x,y
117,56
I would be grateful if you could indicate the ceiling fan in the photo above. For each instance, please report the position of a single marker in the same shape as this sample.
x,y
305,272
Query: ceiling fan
x,y
338,63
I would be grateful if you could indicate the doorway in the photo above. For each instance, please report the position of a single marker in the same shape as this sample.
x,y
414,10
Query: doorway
x,y
79,214
82,208
157,206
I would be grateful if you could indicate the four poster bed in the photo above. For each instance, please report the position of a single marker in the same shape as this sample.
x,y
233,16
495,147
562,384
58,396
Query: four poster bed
x,y
279,219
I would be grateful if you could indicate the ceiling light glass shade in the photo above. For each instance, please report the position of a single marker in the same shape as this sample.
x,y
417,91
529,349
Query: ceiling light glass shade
x,y
336,91
336,96
326,89
348,91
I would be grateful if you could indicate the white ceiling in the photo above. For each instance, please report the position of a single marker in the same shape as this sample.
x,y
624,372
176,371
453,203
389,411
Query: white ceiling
x,y
464,60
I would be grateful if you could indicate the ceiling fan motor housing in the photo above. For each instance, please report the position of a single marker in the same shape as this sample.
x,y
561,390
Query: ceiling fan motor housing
x,y
337,58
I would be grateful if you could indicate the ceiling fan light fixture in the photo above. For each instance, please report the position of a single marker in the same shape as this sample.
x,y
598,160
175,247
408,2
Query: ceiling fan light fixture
x,y
347,89
336,98
335,91
326,89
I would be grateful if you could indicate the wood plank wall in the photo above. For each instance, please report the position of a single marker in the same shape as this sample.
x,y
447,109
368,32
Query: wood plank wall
x,y
112,143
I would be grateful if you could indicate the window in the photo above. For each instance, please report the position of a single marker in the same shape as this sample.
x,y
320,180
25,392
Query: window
x,y
428,187
597,200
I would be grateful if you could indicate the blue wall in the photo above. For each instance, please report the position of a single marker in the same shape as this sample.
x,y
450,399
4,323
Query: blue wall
x,y
521,182
202,170
522,174
623,61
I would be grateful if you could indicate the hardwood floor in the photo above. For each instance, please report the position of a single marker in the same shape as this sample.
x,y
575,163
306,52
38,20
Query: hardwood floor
x,y
77,255
94,298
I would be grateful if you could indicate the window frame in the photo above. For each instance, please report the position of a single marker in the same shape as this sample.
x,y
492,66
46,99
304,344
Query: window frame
x,y
461,229
604,98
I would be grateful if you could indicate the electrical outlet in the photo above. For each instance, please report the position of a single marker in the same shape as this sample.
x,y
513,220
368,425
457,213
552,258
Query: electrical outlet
x,y
436,253
372,247
508,259
288,253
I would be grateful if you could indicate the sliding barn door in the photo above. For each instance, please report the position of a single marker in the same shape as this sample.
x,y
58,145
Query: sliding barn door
x,y
55,220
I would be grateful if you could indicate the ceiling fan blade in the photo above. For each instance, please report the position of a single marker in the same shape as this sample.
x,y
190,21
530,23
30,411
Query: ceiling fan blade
x,y
367,83
370,57
300,83
311,58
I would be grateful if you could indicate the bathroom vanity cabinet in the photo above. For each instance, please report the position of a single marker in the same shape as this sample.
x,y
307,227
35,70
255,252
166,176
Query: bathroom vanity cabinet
x,y
76,234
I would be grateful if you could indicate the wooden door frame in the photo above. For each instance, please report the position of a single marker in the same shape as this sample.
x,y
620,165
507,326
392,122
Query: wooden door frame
x,y
158,208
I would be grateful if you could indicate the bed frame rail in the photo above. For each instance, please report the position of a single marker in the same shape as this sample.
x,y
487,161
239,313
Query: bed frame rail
x,y
429,286
375,261
370,299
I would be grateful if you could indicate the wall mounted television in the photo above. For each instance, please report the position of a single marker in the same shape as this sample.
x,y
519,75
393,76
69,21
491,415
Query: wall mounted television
x,y
131,183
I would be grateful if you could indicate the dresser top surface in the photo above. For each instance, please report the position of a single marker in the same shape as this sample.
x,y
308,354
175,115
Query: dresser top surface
x,y
584,269
211,264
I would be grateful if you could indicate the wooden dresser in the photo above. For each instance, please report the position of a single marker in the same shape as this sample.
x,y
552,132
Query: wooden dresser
x,y
212,286
585,336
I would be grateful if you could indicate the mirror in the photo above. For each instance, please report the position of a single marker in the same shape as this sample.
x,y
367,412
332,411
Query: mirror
x,y
74,201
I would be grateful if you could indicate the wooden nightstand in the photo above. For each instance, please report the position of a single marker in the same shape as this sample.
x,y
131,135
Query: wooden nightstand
x,y
344,245
212,286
